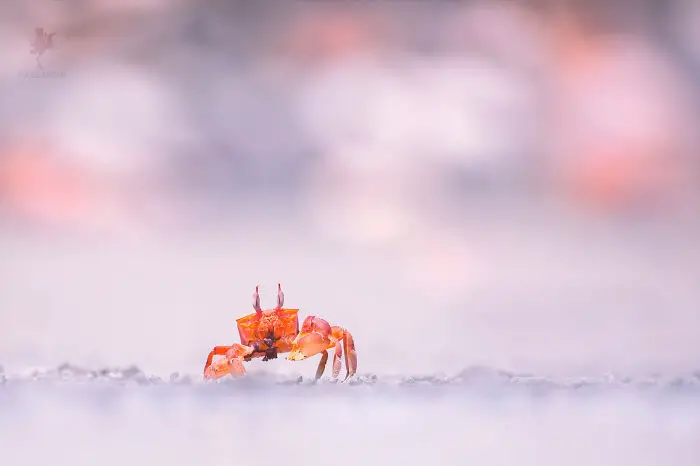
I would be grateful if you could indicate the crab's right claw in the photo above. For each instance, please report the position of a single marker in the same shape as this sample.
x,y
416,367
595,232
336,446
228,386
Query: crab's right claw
x,y
215,370
232,363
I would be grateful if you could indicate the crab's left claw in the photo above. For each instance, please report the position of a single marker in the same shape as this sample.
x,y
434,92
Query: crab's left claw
x,y
316,337
310,344
313,338
306,346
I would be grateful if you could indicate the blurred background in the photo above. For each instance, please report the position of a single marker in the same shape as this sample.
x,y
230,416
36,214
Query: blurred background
x,y
507,183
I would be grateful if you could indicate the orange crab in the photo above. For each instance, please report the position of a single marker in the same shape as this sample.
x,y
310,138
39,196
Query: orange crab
x,y
267,333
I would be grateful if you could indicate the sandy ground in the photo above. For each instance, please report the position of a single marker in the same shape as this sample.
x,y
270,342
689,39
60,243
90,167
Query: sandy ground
x,y
297,425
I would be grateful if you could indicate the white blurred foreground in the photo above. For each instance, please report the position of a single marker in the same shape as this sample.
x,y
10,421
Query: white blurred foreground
x,y
480,417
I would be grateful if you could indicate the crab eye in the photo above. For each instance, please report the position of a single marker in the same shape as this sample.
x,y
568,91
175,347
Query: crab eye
x,y
256,300
280,296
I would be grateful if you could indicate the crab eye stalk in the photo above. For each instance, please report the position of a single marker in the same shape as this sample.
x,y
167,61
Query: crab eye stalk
x,y
256,301
280,296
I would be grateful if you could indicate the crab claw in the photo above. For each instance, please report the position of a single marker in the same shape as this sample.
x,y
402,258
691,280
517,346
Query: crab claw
x,y
306,346
232,363
317,337
313,338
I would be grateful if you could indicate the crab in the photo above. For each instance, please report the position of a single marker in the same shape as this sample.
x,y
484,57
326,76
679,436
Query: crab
x,y
267,333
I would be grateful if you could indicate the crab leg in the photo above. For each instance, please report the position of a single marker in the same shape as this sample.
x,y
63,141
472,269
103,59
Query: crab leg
x,y
322,365
337,353
344,342
231,364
